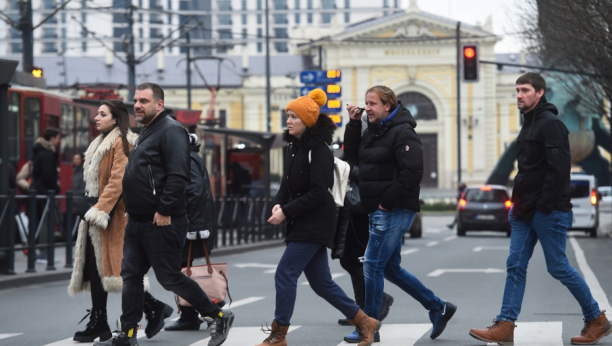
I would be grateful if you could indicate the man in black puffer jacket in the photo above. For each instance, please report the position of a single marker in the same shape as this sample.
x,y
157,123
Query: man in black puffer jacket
x,y
390,168
154,194
541,211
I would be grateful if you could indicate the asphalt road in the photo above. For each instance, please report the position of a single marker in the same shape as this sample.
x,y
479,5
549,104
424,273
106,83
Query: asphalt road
x,y
467,271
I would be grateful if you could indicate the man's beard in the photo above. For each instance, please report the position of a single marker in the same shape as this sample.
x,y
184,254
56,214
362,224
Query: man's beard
x,y
146,117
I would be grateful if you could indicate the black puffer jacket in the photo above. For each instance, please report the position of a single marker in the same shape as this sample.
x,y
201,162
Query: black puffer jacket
x,y
157,170
200,205
390,160
303,194
544,164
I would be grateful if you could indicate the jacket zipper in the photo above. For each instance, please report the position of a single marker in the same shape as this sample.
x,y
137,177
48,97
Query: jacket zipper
x,y
151,179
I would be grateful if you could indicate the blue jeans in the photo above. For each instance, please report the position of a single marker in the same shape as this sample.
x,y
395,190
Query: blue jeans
x,y
383,258
551,231
310,258
147,245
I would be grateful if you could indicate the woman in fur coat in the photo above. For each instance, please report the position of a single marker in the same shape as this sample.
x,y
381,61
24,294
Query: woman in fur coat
x,y
99,244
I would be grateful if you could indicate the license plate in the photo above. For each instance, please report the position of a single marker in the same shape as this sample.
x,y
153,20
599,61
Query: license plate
x,y
485,217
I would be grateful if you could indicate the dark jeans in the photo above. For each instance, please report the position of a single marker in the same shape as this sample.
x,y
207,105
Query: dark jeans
x,y
310,258
551,231
99,296
147,245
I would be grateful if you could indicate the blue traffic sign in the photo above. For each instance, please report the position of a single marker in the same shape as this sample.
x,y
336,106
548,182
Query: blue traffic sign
x,y
332,90
332,107
320,77
337,119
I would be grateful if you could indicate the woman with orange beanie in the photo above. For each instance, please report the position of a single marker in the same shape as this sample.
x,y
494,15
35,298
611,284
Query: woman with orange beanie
x,y
305,202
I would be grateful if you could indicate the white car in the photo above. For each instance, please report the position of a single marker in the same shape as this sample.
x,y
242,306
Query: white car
x,y
585,201
605,205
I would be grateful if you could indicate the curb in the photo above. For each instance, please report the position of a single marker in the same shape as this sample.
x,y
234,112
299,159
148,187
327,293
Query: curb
x,y
42,277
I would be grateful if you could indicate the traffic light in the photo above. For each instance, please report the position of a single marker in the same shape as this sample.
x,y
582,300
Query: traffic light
x,y
470,63
37,72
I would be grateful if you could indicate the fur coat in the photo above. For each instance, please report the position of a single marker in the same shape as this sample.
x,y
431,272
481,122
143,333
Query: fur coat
x,y
104,167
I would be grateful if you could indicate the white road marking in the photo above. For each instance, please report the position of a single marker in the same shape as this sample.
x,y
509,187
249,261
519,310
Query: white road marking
x,y
399,334
255,265
71,342
439,272
409,251
4,336
450,237
432,243
270,271
236,304
334,276
241,336
480,248
598,293
433,230
538,334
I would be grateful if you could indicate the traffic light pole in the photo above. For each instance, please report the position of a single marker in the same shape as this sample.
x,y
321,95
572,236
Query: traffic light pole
x,y
458,75
131,59
27,35
268,91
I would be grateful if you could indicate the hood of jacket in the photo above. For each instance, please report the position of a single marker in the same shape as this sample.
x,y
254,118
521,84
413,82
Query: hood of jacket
x,y
42,144
323,130
401,115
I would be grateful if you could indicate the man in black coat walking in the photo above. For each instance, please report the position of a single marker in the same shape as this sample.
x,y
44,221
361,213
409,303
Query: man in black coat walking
x,y
390,170
541,211
154,193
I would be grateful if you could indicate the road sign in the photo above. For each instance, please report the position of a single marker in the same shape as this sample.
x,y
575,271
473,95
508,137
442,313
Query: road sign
x,y
320,77
332,107
332,90
337,119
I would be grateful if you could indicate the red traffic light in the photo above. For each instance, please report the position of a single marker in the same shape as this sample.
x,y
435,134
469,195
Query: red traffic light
x,y
469,52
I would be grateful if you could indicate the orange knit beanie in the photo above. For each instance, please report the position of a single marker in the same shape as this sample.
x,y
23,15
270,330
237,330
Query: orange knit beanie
x,y
308,107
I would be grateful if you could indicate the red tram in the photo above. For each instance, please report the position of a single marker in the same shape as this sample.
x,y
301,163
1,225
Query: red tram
x,y
32,110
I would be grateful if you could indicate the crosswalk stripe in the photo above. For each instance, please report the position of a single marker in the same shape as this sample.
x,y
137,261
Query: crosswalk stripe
x,y
433,243
71,342
334,276
400,334
241,336
537,334
5,336
236,304
409,251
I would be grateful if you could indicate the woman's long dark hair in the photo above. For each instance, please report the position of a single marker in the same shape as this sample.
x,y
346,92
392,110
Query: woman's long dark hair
x,y
120,113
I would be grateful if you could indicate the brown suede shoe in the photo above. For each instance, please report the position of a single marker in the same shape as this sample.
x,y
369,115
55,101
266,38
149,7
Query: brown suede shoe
x,y
366,326
277,335
593,331
501,332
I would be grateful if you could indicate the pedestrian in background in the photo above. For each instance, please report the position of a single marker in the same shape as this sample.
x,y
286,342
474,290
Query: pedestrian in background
x,y
305,202
99,244
352,235
78,183
45,177
460,190
154,192
390,170
201,215
542,212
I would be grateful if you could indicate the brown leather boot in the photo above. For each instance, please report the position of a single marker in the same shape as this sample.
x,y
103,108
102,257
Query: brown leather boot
x,y
501,332
593,331
277,335
366,326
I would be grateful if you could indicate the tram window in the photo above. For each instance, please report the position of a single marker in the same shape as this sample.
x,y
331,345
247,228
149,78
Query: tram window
x,y
31,124
67,142
14,126
82,129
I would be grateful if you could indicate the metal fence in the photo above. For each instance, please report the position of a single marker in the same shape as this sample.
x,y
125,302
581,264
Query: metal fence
x,y
239,221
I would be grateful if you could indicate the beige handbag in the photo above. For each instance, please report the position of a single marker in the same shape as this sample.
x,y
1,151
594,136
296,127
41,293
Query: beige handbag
x,y
212,278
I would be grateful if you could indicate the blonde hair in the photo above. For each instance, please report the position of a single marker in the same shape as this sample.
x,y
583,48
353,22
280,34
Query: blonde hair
x,y
386,95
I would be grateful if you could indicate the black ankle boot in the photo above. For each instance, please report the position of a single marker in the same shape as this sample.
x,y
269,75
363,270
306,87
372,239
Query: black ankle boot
x,y
97,327
155,312
189,320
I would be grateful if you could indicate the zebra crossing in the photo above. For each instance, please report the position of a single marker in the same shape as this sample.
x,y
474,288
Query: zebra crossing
x,y
408,334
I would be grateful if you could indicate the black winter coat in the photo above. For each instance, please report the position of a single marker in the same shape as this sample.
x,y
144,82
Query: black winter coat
x,y
200,205
390,160
303,194
544,164
44,162
157,170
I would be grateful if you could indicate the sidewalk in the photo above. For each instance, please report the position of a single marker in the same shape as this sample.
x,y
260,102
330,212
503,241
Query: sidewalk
x,y
42,275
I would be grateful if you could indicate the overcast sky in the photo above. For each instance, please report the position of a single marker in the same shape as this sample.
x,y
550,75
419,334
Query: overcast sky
x,y
504,14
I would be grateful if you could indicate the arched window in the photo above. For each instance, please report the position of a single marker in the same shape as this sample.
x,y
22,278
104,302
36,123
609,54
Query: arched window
x,y
419,105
